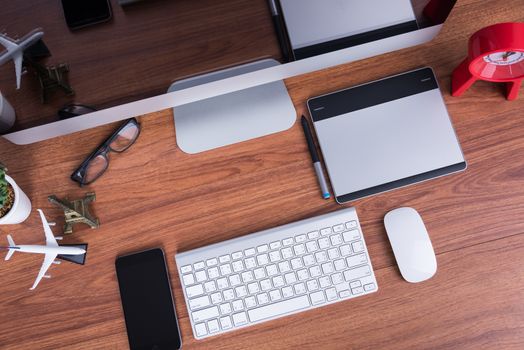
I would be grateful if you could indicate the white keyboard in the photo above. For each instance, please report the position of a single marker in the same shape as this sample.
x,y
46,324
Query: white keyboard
x,y
276,272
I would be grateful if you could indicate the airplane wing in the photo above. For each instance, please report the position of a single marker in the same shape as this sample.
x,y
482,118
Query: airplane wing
x,y
8,44
50,239
48,260
17,59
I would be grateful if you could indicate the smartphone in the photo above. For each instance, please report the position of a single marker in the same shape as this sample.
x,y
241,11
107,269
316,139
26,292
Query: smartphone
x,y
147,301
81,13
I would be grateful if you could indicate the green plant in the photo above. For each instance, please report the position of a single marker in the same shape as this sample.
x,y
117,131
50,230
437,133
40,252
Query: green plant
x,y
4,186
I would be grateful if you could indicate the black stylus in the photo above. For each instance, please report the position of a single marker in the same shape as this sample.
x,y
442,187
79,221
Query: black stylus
x,y
315,159
282,40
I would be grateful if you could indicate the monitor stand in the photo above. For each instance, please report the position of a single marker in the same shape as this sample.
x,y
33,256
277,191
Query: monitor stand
x,y
233,117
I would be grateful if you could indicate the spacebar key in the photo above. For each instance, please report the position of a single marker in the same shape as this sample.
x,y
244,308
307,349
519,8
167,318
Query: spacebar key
x,y
280,308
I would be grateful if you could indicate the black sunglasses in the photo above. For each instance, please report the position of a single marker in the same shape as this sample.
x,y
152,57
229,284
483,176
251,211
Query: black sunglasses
x,y
96,164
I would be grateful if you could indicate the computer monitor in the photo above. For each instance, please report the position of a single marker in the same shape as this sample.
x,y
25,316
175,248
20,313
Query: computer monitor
x,y
429,18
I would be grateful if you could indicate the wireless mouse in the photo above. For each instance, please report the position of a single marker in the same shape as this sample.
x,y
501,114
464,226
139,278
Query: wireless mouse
x,y
411,244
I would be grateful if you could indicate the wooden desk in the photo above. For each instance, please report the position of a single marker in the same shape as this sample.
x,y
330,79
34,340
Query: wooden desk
x,y
155,195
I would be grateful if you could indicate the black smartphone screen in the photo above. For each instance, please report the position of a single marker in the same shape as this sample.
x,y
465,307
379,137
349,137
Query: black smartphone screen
x,y
80,13
147,301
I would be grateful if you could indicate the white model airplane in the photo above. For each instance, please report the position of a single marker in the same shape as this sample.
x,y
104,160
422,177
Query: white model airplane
x,y
15,50
51,250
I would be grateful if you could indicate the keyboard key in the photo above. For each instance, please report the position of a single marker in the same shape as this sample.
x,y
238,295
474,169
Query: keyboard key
x,y
339,228
315,271
247,276
328,268
358,290
357,246
357,273
324,281
200,276
211,262
260,273
200,329
287,241
300,238
198,303
186,269
336,278
212,326
237,255
224,259
355,284
250,263
241,291
331,294
333,253
302,274
274,256
345,293
345,250
238,266
222,283
210,286
225,322
309,260
287,292
290,277
240,319
194,291
250,302
311,246
325,231
262,298
238,305
225,308
199,265
356,260
317,298
352,235
279,308
225,269
262,248
299,249
249,252
213,272
340,264
300,288
313,235
275,245
312,285
287,253
234,280
351,225
323,243
272,270
321,256
275,295
262,259
336,239
284,267
205,314
229,294
216,298
369,286
253,288
188,279
265,284
342,286
278,281
296,263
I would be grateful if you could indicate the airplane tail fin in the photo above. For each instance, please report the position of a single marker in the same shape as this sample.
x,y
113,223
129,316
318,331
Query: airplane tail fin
x,y
11,244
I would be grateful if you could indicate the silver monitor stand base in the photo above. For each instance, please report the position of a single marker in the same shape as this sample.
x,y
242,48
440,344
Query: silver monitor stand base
x,y
233,117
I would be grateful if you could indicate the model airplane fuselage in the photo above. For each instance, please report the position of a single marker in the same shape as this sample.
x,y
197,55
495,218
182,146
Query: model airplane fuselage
x,y
51,250
15,50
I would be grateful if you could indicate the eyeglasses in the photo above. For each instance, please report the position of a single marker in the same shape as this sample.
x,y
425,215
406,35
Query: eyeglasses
x,y
96,164
74,110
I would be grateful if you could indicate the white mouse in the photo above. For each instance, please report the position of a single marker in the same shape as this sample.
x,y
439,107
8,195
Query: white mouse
x,y
411,244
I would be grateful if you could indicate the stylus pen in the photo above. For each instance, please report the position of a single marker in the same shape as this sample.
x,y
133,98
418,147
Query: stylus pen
x,y
315,159
280,30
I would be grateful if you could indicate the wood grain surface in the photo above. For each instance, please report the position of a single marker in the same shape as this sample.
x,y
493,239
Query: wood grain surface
x,y
156,195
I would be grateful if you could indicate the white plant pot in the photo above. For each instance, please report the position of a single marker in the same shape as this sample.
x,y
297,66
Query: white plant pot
x,y
21,207
7,115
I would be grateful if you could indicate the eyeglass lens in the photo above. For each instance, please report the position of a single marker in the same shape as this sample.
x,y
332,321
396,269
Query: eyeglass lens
x,y
125,138
95,168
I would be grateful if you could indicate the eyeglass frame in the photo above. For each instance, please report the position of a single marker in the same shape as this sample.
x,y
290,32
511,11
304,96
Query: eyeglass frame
x,y
104,149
